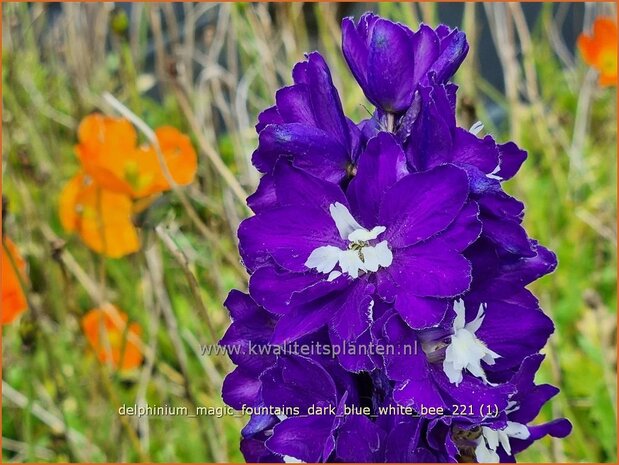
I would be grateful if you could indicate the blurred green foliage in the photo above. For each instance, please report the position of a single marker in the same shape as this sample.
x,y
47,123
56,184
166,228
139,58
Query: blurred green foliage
x,y
55,70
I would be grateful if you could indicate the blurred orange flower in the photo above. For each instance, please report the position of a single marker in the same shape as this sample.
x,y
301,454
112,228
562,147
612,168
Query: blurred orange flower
x,y
13,297
109,153
101,218
113,341
600,50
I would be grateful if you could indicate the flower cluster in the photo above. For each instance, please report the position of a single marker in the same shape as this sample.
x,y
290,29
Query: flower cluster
x,y
393,231
118,178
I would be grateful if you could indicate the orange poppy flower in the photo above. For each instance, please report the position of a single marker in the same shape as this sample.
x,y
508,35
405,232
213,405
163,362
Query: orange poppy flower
x,y
600,50
109,153
13,298
112,340
100,217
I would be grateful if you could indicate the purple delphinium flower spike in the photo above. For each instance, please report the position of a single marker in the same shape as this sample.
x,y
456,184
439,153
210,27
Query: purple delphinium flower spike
x,y
395,232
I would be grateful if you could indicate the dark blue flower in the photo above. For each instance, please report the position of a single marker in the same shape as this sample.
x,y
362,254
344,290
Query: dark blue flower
x,y
389,60
318,254
492,441
308,125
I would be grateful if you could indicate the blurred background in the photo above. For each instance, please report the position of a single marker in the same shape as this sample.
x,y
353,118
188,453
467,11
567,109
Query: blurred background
x,y
208,69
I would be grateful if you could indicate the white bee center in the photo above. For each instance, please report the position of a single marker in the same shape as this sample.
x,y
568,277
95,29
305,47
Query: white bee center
x,y
361,256
466,351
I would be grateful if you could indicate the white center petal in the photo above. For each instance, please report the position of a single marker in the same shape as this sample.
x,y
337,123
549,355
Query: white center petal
x,y
291,459
334,275
517,430
494,175
378,256
465,350
363,235
360,256
489,441
491,437
476,128
344,221
512,406
351,263
485,454
370,258
323,258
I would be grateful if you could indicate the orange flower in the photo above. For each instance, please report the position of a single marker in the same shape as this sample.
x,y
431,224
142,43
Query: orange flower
x,y
109,153
179,155
600,50
13,297
113,341
100,217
